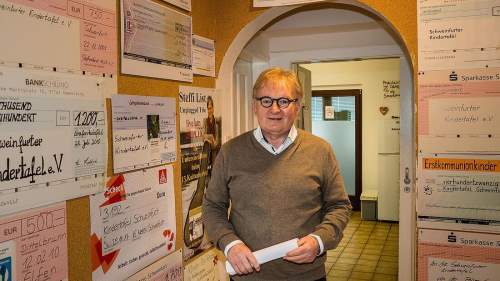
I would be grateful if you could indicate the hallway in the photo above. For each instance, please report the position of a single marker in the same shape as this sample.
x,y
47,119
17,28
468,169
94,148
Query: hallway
x,y
368,251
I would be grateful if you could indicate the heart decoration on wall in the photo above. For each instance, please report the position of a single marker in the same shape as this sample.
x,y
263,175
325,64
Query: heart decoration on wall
x,y
383,110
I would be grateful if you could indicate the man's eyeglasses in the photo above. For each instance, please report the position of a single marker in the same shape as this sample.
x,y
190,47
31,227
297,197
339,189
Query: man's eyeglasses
x,y
281,102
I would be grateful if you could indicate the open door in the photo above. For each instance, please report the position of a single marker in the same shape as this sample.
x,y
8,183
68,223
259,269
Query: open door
x,y
242,114
304,119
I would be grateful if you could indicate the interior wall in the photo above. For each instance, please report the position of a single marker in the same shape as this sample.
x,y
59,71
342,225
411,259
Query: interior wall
x,y
78,212
367,75
233,18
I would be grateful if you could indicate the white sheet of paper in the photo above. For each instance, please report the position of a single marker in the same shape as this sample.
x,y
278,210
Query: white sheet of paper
x,y
68,34
184,4
457,111
458,34
144,131
52,137
203,56
270,253
455,255
459,186
152,49
133,221
167,268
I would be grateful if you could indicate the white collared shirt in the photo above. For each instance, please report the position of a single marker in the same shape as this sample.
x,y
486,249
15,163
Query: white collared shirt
x,y
292,135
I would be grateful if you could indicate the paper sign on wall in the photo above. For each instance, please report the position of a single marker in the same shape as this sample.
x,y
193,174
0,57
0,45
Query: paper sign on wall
x,y
458,34
33,245
459,186
144,132
455,255
203,56
185,4
206,266
132,222
71,34
168,268
52,138
458,111
155,44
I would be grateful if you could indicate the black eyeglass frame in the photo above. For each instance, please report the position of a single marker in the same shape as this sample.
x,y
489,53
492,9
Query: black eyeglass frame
x,y
282,106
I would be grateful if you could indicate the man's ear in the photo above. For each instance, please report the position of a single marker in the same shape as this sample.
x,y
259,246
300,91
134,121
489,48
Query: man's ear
x,y
254,105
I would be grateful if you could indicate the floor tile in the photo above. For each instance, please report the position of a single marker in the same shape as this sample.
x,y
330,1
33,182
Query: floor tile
x,y
376,241
348,260
364,268
384,277
331,278
390,253
368,251
370,257
357,250
374,246
328,266
339,273
343,266
371,252
331,259
387,264
355,246
333,253
386,270
367,262
361,275
389,258
349,255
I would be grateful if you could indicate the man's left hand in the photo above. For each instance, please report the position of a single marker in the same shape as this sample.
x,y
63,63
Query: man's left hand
x,y
306,252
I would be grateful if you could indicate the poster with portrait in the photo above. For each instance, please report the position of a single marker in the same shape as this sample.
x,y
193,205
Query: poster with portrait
x,y
132,222
144,132
200,142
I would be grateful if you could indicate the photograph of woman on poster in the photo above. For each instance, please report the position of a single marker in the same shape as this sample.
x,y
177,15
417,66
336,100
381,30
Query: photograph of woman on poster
x,y
211,129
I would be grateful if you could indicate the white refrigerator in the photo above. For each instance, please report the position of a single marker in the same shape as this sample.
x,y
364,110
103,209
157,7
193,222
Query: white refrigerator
x,y
388,169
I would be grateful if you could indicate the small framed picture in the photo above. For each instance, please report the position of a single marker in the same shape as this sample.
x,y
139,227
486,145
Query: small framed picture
x,y
329,112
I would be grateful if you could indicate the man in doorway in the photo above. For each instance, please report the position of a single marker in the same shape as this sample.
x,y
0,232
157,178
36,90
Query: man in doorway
x,y
281,183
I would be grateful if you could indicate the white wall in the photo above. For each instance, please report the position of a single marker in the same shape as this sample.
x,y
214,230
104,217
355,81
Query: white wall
x,y
366,75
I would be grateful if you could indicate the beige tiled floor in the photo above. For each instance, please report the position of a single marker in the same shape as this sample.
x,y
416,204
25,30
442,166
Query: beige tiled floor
x,y
368,251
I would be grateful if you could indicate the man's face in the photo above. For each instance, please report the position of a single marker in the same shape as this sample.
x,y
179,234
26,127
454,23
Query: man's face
x,y
275,121
210,109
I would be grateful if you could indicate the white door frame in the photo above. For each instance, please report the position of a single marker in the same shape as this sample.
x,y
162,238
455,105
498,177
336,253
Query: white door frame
x,y
407,227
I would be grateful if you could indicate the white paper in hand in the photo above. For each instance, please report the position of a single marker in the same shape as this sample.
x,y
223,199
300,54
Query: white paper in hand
x,y
270,253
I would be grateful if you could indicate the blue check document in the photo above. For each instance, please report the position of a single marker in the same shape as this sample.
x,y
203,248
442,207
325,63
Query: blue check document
x,y
52,137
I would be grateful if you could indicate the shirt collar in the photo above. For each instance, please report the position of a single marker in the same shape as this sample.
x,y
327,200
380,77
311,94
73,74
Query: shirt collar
x,y
292,135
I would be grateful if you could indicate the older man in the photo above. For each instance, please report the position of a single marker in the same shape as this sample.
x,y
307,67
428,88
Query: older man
x,y
281,183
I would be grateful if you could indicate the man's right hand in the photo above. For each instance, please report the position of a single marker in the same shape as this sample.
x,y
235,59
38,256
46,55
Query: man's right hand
x,y
242,259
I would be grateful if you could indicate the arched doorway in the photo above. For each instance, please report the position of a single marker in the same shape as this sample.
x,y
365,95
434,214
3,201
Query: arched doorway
x,y
225,85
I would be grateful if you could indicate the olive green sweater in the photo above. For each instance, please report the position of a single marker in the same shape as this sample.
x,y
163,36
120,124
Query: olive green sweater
x,y
275,198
